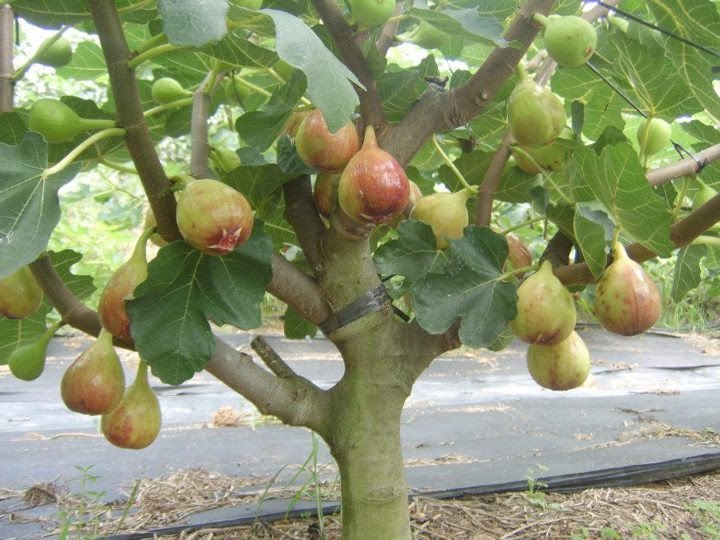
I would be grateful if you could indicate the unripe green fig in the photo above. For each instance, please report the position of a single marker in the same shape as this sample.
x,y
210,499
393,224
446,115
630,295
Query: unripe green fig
x,y
561,366
569,40
57,55
135,422
373,187
224,160
166,90
95,382
236,92
371,13
703,194
550,157
120,287
249,4
20,294
536,116
546,310
323,190
327,152
627,301
59,123
653,135
425,35
213,217
27,362
446,213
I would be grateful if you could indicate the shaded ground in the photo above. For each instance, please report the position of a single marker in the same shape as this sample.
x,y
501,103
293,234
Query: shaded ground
x,y
474,418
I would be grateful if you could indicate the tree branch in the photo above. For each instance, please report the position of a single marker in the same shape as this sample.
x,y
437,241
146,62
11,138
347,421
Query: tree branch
x,y
302,214
199,145
686,167
343,36
490,182
297,290
7,22
271,358
439,111
130,116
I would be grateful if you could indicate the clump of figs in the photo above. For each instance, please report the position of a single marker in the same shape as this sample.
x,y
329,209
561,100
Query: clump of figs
x,y
120,287
373,187
95,382
446,213
27,362
536,116
627,301
213,217
135,422
545,309
327,152
561,366
20,294
569,40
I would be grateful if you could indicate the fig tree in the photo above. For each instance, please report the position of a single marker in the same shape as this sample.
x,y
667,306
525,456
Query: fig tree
x,y
27,362
166,90
545,309
373,187
120,287
569,40
20,294
135,422
328,152
536,116
561,366
213,217
653,135
627,301
57,55
59,123
446,213
95,382
371,13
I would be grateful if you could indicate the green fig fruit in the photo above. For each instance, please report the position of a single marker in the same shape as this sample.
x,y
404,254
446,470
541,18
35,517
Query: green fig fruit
x,y
627,301
536,116
20,294
550,157
27,362
446,213
224,160
653,135
546,310
249,4
569,40
135,422
426,35
236,92
57,55
703,194
373,187
371,13
59,123
327,152
561,366
166,90
120,287
213,217
95,381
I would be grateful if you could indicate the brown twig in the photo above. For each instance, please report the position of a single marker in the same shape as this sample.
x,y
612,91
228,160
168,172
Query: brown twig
x,y
271,358
200,148
298,290
302,214
7,22
686,167
490,182
343,36
130,116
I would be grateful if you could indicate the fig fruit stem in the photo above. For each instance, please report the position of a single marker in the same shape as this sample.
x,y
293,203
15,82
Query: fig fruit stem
x,y
155,41
141,244
141,377
172,105
22,70
117,166
152,53
545,175
521,225
254,88
453,168
518,272
704,240
541,19
180,181
80,148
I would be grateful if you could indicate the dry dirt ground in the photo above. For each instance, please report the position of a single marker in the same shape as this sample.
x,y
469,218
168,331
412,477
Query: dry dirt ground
x,y
685,508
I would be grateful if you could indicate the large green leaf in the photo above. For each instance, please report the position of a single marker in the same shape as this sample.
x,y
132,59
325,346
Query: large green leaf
x,y
170,312
29,205
688,273
616,180
465,23
329,82
399,90
193,22
470,289
236,50
88,63
54,13
590,235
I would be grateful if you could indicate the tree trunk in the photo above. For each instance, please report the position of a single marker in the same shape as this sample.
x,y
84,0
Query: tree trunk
x,y
365,441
